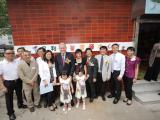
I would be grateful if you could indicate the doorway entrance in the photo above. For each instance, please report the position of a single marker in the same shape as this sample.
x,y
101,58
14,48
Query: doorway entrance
x,y
149,34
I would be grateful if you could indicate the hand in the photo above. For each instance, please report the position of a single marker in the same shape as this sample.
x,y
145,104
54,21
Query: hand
x,y
31,83
72,91
45,83
54,83
134,80
119,78
94,80
4,90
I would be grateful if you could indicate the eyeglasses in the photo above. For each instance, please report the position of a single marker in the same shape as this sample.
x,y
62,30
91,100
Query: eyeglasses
x,y
10,53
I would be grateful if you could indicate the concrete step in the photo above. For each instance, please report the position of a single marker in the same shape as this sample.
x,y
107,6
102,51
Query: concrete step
x,y
147,92
148,98
145,86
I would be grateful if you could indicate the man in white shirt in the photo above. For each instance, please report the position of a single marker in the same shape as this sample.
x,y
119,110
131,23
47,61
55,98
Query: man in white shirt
x,y
117,68
9,76
104,72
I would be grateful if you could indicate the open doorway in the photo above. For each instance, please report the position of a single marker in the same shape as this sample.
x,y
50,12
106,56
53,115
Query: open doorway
x,y
149,34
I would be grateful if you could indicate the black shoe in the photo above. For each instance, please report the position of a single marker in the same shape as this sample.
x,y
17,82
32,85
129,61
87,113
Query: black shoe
x,y
115,101
12,117
103,98
158,93
45,105
91,100
72,103
32,109
61,104
154,80
110,96
22,106
148,80
38,106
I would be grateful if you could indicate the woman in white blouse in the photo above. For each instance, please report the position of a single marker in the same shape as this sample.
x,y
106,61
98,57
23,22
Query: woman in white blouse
x,y
48,76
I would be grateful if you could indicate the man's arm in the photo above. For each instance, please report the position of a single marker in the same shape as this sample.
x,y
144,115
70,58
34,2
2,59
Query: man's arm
x,y
95,68
21,74
72,65
57,66
122,69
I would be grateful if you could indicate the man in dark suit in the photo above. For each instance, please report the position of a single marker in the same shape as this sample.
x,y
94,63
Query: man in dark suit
x,y
92,69
64,61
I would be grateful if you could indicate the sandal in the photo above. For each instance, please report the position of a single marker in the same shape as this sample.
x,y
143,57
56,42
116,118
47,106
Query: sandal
x,y
125,100
55,107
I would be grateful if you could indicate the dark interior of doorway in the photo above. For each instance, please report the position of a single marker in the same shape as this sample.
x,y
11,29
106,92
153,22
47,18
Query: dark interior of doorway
x,y
149,34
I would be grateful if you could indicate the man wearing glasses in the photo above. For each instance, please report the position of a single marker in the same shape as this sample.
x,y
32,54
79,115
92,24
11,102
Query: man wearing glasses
x,y
9,76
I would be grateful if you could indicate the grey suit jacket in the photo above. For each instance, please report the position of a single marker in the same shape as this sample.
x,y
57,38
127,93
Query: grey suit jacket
x,y
106,69
28,73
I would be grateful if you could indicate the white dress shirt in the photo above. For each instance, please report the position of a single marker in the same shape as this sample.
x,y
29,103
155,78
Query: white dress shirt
x,y
9,70
44,72
118,62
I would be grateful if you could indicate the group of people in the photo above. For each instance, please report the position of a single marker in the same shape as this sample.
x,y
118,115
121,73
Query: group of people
x,y
71,77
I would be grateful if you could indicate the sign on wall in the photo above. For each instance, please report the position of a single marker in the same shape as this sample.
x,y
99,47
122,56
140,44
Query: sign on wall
x,y
72,47
152,7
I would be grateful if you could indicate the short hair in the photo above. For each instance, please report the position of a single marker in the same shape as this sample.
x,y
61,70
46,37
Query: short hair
x,y
27,51
131,49
115,44
21,48
88,49
78,51
103,47
41,48
8,48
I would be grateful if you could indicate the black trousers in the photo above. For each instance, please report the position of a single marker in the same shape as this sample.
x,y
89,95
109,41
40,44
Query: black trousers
x,y
11,86
100,86
116,85
90,86
49,98
152,72
128,83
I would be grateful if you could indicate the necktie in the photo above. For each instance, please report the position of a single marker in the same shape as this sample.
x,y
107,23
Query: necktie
x,y
101,63
63,60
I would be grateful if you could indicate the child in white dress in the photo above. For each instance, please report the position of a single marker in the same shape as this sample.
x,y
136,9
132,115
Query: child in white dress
x,y
80,88
65,95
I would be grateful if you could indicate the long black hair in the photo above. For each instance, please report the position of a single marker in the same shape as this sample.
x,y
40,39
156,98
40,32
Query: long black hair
x,y
52,57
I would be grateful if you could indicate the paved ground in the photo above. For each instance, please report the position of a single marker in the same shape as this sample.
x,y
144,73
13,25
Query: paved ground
x,y
98,110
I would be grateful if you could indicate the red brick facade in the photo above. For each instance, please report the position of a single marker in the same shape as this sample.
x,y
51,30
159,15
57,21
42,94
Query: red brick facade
x,y
72,21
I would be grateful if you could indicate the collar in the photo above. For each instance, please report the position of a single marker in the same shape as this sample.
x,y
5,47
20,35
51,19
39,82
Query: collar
x,y
6,61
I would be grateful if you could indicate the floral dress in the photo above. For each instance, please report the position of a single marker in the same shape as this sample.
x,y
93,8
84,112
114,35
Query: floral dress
x,y
80,87
65,95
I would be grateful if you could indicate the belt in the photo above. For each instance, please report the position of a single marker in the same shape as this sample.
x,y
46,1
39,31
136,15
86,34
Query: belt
x,y
116,70
15,80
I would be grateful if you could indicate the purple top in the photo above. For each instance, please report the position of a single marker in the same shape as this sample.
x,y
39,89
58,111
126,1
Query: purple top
x,y
130,67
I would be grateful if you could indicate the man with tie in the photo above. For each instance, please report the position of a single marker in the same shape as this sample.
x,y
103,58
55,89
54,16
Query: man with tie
x,y
92,69
117,72
64,62
104,72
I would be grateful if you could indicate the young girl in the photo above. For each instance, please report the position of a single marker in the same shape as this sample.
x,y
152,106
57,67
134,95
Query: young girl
x,y
80,88
65,95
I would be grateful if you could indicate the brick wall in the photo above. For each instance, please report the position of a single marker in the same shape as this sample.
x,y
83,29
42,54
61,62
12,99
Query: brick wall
x,y
71,21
